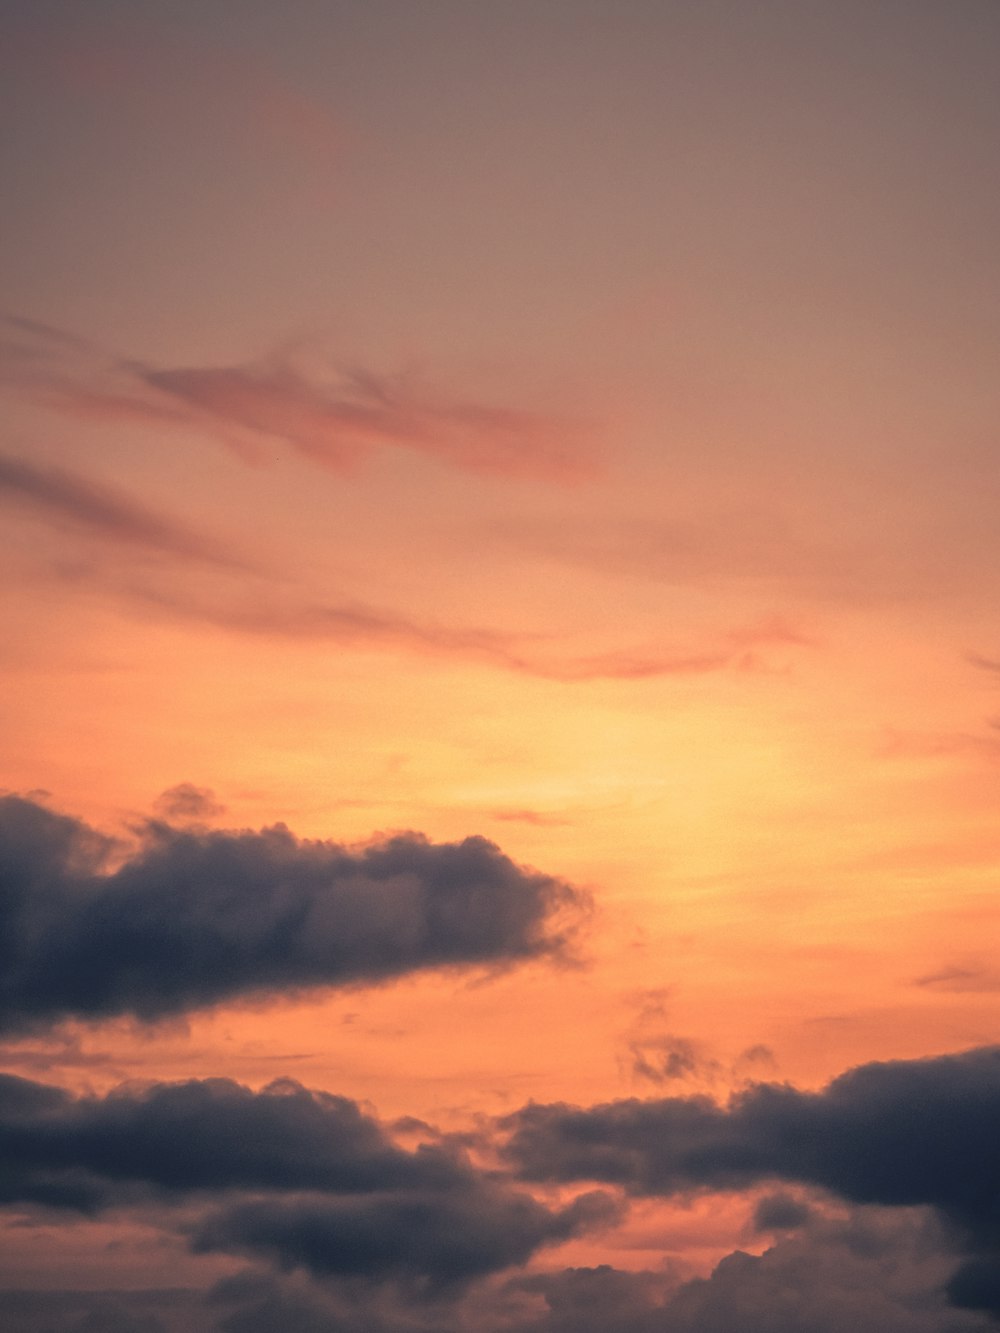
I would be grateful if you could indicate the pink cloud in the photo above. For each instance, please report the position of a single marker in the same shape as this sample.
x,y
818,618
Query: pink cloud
x,y
333,415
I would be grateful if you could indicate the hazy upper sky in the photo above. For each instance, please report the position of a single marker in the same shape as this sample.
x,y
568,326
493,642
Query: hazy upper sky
x,y
567,426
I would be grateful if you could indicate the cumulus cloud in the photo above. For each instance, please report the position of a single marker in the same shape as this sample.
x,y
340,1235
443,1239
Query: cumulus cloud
x,y
862,1274
433,1241
191,917
904,1133
301,1178
353,1231
202,1136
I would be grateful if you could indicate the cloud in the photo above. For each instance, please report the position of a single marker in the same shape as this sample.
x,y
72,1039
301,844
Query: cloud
x,y
864,1274
300,1178
162,1310
331,414
297,617
192,917
70,498
434,1241
983,663
905,1133
186,801
973,978
201,1136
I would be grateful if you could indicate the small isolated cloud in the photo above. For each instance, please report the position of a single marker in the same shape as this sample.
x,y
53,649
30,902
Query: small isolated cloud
x,y
191,917
665,1058
334,415
981,978
188,802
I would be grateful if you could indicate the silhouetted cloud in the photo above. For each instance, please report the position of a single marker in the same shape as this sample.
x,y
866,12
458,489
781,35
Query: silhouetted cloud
x,y
203,1135
862,1275
906,1133
780,1212
333,415
433,1241
192,917
304,1182
301,1178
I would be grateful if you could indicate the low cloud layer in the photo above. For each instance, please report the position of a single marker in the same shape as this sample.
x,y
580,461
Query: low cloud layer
x,y
191,917
298,1178
919,1132
346,1229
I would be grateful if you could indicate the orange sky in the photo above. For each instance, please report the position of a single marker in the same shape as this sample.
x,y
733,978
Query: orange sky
x,y
570,424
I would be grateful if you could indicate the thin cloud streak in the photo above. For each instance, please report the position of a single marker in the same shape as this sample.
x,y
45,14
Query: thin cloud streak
x,y
333,415
269,604
67,496
361,625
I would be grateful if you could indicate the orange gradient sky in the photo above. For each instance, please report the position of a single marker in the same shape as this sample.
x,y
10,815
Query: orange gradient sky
x,y
569,423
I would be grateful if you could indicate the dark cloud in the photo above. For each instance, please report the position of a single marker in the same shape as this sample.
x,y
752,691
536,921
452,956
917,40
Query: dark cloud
x,y
302,1179
430,1240
201,1136
919,1132
780,1212
90,505
864,1274
191,917
168,1310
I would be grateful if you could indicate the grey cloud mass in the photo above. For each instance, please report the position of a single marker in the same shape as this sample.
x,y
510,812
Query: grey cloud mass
x,y
906,1133
192,917
299,1178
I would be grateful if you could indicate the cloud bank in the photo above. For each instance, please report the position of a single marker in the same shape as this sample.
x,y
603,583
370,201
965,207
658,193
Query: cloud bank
x,y
906,1133
191,917
299,1178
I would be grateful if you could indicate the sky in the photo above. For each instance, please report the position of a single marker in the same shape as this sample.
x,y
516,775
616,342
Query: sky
x,y
500,669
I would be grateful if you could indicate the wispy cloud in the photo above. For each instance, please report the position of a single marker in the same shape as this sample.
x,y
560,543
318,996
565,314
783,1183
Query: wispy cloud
x,y
333,414
67,496
294,616
984,663
251,599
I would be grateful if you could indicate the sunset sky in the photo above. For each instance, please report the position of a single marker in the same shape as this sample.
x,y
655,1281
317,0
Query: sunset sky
x,y
500,666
